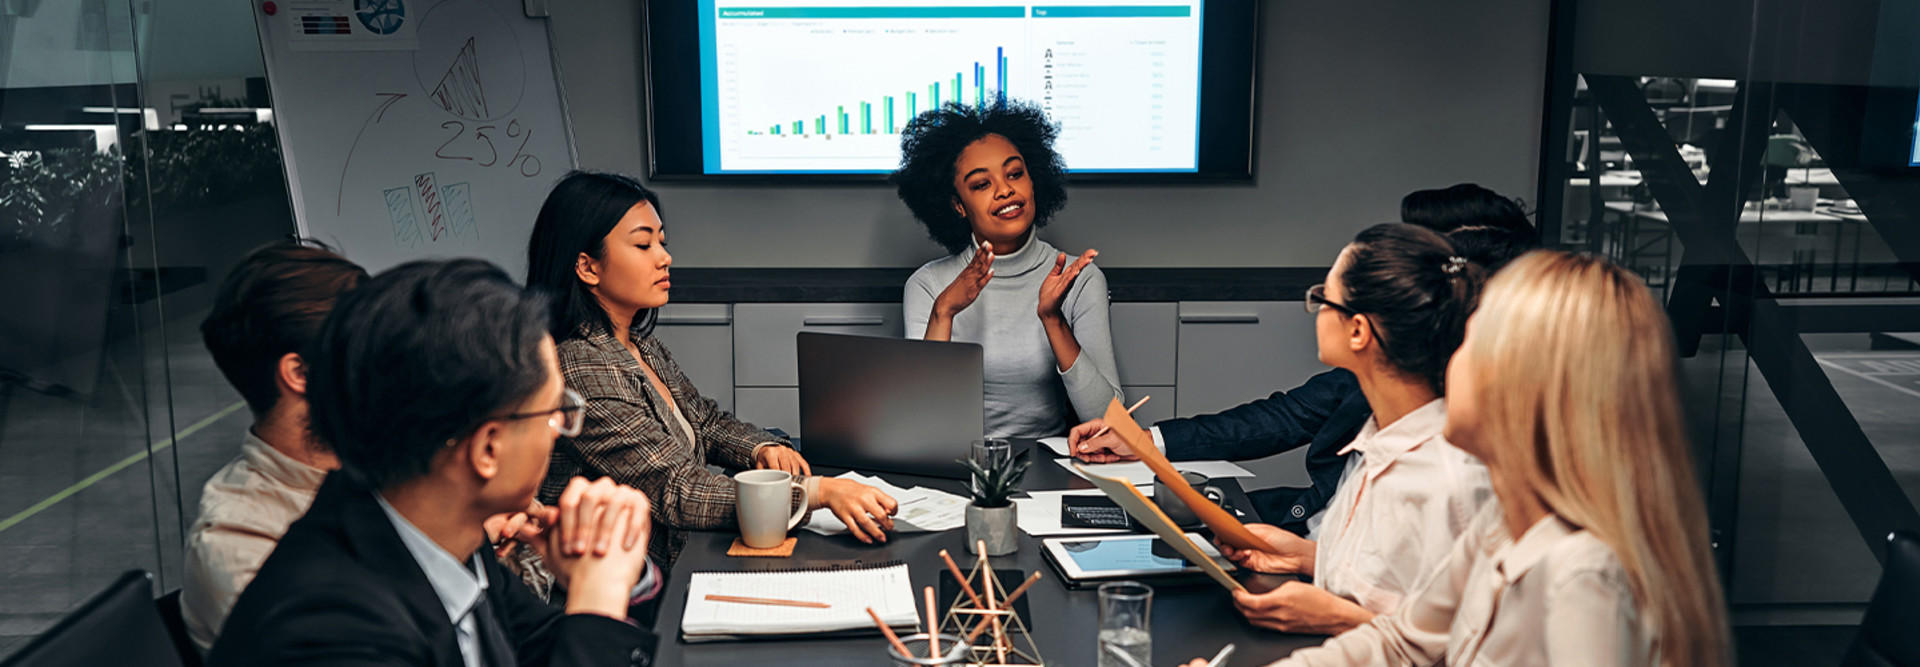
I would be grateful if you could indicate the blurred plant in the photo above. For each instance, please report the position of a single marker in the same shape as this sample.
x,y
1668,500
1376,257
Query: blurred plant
x,y
195,168
43,192
995,484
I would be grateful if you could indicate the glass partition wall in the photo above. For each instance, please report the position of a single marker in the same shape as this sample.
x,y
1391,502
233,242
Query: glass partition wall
x,y
137,164
1751,160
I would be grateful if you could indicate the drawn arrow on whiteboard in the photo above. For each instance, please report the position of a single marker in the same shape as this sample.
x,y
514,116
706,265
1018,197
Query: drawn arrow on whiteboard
x,y
339,197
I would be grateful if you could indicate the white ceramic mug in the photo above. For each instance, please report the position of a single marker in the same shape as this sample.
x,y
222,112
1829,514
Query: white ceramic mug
x,y
761,502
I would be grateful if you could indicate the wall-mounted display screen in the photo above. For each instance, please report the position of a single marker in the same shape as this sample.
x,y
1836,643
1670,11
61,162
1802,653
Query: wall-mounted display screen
x,y
810,88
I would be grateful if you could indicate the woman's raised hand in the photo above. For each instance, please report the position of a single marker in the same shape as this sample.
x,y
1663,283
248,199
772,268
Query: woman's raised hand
x,y
966,287
1053,290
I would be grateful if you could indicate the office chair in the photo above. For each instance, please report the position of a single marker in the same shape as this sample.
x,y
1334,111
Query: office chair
x,y
170,616
117,626
1887,637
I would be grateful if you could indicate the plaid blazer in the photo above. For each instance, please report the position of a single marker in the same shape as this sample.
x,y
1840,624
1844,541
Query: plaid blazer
x,y
630,435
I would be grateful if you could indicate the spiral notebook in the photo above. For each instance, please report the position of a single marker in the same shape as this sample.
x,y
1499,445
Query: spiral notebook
x,y
848,591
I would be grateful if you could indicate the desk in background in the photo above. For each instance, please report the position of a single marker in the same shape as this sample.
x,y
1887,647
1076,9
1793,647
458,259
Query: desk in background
x,y
1803,256
1192,619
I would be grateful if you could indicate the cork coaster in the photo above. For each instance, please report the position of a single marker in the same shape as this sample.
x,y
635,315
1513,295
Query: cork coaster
x,y
741,550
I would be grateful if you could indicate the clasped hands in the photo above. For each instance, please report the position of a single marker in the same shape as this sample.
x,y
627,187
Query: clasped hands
x,y
594,541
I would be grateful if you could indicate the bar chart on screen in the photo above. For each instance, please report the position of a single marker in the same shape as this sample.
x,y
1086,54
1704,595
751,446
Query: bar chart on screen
x,y
829,86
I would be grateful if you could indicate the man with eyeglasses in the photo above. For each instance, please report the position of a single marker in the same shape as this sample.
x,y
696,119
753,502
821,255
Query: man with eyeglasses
x,y
1324,413
439,390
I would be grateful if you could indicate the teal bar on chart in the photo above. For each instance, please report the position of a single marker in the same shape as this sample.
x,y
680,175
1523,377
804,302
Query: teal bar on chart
x,y
872,12
1113,11
989,86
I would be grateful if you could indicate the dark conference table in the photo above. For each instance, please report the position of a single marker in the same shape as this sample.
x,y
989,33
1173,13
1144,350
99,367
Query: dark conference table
x,y
1191,619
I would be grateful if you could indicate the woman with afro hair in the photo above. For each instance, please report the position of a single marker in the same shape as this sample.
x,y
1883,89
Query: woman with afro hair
x,y
983,180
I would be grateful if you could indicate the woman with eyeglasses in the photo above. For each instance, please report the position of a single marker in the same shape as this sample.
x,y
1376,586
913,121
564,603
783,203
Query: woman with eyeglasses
x,y
1597,551
1392,311
599,250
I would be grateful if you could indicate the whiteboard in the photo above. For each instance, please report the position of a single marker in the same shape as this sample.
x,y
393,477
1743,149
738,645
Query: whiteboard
x,y
415,128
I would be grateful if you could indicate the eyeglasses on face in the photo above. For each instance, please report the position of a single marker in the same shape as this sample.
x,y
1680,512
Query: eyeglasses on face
x,y
565,420
1317,299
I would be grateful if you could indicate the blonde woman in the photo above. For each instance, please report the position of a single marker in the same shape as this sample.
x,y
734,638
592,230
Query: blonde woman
x,y
1596,553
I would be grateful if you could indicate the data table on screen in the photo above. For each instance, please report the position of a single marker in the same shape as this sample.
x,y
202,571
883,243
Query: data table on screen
x,y
826,86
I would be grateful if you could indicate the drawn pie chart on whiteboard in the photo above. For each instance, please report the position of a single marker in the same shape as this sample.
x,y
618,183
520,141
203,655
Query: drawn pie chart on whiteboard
x,y
383,17
469,63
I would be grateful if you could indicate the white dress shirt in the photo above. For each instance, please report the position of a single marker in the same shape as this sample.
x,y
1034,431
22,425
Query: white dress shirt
x,y
244,509
1557,596
1401,504
458,586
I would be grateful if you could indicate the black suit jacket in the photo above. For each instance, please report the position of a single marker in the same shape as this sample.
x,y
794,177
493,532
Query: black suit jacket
x,y
1324,415
342,589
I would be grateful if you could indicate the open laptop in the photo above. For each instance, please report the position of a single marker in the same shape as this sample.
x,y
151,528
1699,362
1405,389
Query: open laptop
x,y
892,404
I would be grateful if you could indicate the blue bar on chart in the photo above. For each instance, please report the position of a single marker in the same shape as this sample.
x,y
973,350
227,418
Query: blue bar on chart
x,y
913,105
890,127
820,125
776,129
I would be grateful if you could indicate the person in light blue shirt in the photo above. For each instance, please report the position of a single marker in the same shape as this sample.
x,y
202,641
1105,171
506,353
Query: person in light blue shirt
x,y
439,389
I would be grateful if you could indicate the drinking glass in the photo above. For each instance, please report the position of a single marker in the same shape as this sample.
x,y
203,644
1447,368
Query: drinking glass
x,y
1126,638
917,645
989,452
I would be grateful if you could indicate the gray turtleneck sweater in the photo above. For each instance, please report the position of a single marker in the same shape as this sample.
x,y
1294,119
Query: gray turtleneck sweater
x,y
1026,393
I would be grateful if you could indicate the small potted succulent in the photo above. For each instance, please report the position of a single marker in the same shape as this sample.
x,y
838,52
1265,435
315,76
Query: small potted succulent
x,y
991,517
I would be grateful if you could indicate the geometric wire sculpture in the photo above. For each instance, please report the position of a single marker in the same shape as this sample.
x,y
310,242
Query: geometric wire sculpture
x,y
985,602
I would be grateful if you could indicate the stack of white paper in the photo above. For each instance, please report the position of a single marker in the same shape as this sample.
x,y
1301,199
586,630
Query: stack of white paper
x,y
1137,473
847,592
922,510
1058,444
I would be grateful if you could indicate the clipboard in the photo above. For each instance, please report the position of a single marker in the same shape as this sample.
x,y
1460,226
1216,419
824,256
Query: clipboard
x,y
1225,528
1149,515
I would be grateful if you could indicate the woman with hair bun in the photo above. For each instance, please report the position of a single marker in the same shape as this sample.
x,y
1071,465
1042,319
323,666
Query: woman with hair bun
x,y
1392,311
1597,551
